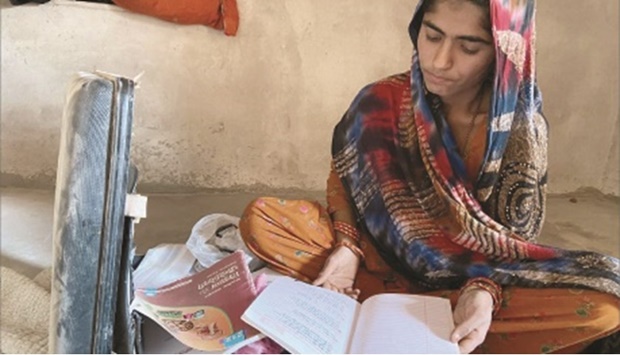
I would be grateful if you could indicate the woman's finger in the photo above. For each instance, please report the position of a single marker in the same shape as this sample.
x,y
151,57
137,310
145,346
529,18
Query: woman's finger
x,y
324,274
330,287
352,292
463,330
320,280
469,343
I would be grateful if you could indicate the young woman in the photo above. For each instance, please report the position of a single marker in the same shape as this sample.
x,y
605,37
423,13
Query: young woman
x,y
438,185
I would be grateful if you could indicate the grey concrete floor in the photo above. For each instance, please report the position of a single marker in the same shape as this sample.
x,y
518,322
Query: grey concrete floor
x,y
584,220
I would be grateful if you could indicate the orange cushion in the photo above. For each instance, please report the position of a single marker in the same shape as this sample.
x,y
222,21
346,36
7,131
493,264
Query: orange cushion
x,y
220,14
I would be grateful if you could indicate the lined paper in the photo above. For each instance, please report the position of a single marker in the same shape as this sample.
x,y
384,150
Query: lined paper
x,y
404,324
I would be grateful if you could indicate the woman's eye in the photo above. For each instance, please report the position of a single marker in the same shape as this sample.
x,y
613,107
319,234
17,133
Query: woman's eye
x,y
469,50
433,38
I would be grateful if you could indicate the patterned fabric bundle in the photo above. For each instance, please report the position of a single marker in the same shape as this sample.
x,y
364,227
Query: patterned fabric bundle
x,y
410,189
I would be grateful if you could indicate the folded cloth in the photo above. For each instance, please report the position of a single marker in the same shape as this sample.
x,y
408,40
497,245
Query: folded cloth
x,y
24,319
219,14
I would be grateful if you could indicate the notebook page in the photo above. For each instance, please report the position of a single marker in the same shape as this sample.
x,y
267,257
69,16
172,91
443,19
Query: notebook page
x,y
400,323
303,318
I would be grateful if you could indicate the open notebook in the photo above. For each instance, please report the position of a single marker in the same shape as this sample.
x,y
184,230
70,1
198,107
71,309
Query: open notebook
x,y
307,319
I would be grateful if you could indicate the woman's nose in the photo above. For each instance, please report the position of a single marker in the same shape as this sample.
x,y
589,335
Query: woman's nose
x,y
443,56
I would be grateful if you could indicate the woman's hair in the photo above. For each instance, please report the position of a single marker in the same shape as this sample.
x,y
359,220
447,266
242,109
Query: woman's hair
x,y
429,5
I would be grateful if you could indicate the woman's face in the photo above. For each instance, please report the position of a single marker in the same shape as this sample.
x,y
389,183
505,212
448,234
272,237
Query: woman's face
x,y
455,50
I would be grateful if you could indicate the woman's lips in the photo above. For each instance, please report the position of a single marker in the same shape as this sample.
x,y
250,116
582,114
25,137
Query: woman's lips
x,y
435,79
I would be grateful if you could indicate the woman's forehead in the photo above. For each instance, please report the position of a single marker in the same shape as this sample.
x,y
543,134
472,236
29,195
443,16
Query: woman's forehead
x,y
458,18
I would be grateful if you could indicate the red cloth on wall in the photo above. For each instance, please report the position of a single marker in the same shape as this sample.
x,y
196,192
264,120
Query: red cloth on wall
x,y
219,14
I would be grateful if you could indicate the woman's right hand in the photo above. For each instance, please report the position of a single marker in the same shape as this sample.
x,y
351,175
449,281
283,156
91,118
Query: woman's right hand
x,y
338,273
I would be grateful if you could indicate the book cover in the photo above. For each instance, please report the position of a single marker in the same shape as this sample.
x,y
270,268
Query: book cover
x,y
204,310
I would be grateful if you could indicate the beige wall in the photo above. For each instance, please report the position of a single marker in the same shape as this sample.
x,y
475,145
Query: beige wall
x,y
257,110
578,73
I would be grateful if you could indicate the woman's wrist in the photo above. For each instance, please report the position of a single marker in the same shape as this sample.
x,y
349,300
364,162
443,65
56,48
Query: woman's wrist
x,y
348,230
345,242
488,285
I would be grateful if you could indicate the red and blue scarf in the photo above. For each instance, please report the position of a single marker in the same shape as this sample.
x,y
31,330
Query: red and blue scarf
x,y
412,194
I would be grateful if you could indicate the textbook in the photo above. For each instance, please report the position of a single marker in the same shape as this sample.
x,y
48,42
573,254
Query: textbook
x,y
308,319
202,310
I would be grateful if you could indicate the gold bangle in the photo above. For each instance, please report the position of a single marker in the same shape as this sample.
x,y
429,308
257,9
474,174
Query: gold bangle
x,y
488,285
347,244
347,230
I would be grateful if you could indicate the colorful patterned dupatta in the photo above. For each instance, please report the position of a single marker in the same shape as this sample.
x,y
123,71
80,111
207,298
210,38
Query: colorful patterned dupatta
x,y
413,197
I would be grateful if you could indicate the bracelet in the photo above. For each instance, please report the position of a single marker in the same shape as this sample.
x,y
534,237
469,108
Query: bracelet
x,y
347,230
347,244
488,285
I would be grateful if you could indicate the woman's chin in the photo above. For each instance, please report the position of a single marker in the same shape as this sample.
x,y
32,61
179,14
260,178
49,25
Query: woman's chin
x,y
437,90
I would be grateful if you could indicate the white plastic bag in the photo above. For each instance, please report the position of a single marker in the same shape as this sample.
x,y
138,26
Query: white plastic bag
x,y
217,235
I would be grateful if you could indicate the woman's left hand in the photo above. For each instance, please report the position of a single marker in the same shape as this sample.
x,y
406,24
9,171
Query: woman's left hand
x,y
472,316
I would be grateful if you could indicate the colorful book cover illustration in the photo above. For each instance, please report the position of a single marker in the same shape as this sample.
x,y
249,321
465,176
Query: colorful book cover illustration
x,y
204,310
